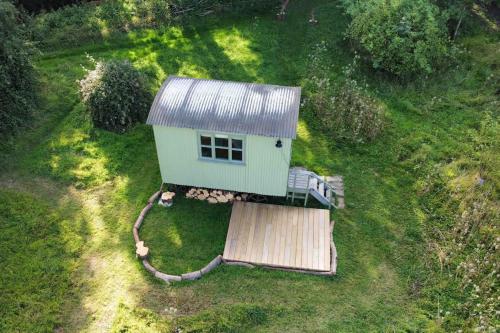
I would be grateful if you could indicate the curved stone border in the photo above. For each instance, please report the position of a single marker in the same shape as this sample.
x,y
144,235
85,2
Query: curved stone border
x,y
160,275
217,260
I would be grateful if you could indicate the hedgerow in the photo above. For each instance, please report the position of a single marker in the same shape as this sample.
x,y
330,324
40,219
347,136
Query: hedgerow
x,y
87,22
17,77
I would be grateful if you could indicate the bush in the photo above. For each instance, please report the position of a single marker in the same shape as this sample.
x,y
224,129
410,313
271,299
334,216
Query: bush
x,y
91,22
345,109
17,78
116,95
407,38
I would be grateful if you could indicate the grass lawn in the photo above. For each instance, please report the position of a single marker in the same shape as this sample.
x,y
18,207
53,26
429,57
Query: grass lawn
x,y
70,194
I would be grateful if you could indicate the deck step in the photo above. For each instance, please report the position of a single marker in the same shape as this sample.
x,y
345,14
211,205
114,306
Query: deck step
x,y
301,180
321,198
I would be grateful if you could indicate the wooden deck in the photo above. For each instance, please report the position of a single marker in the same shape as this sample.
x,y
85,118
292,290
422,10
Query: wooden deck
x,y
279,236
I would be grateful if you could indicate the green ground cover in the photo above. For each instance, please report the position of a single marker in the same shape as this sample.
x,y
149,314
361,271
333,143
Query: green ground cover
x,y
81,189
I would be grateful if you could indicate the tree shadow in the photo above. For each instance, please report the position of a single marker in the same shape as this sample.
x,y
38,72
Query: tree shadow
x,y
45,235
123,172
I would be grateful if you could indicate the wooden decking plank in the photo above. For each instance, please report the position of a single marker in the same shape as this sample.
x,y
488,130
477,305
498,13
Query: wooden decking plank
x,y
326,217
274,217
260,233
288,237
298,242
251,231
315,241
238,232
284,226
321,240
232,233
310,241
305,239
293,241
277,239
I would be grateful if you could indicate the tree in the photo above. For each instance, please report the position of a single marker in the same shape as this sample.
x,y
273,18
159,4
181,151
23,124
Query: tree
x,y
406,37
17,77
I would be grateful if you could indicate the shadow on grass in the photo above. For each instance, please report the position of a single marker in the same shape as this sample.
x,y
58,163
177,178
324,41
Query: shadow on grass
x,y
42,237
119,172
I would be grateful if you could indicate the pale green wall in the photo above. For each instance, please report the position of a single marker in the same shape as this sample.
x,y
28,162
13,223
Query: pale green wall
x,y
265,170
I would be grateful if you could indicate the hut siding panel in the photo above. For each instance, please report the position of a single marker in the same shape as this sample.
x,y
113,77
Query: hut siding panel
x,y
265,170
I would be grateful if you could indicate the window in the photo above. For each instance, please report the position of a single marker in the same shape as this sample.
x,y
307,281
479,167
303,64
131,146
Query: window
x,y
221,147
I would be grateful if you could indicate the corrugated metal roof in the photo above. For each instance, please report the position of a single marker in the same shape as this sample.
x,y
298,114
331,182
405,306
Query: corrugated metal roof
x,y
225,106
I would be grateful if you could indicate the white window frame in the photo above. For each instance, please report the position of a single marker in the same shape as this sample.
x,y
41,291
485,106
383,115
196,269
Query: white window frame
x,y
229,147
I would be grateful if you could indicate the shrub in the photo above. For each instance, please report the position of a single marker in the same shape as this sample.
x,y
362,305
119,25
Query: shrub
x,y
154,12
90,22
407,38
345,109
17,79
115,94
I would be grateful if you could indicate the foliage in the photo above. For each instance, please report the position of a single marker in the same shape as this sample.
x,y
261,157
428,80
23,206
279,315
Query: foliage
x,y
407,38
35,6
17,78
381,236
86,22
346,109
116,95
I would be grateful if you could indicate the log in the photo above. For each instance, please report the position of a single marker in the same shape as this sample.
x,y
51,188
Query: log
x,y
136,235
138,222
333,251
167,277
222,199
239,263
333,259
211,265
304,271
154,197
191,275
166,196
145,210
148,267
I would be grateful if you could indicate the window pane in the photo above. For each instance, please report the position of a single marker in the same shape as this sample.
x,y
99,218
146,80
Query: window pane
x,y
237,143
222,153
237,155
206,152
206,140
223,142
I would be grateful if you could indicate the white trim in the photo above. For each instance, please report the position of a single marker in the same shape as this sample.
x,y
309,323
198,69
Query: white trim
x,y
229,147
